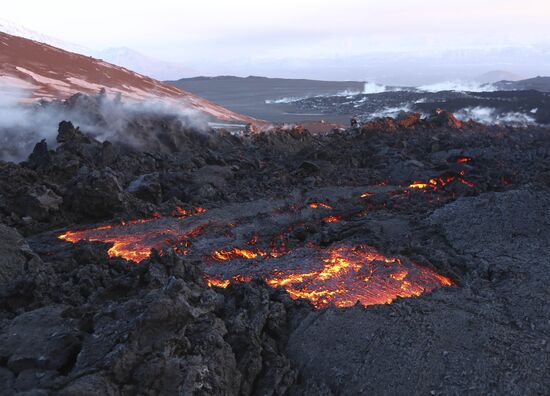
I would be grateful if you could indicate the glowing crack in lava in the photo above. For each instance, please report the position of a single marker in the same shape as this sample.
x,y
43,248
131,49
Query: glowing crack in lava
x,y
134,239
317,205
439,182
341,275
235,253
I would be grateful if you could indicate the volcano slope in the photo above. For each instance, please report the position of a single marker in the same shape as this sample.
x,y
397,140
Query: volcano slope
x,y
404,256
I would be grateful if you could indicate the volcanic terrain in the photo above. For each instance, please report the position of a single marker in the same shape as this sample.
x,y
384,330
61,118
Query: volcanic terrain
x,y
400,256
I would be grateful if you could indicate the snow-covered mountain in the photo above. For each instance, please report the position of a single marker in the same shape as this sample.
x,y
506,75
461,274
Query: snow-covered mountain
x,y
34,71
125,57
14,29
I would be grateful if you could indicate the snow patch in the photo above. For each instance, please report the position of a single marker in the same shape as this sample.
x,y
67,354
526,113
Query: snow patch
x,y
43,79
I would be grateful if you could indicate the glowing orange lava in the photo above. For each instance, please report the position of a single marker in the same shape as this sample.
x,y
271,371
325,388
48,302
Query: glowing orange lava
x,y
316,205
439,182
340,275
140,236
180,212
332,219
345,275
125,246
230,254
462,160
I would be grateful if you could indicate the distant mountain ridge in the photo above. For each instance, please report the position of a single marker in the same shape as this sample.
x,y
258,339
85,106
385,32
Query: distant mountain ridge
x,y
125,57
30,71
539,83
494,76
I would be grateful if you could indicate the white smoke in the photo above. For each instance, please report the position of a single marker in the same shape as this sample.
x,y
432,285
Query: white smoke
x,y
458,86
491,116
285,100
22,125
374,88
392,112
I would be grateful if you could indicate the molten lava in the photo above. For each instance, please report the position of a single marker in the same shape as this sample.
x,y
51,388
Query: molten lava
x,y
134,239
182,213
316,205
462,160
340,275
438,183
225,255
345,275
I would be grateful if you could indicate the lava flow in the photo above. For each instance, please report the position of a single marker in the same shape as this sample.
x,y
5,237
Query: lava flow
x,y
342,276
229,254
439,182
134,239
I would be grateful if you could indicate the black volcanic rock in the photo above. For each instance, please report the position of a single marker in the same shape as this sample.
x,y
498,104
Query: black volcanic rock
x,y
442,118
97,194
38,203
40,157
40,340
16,257
147,187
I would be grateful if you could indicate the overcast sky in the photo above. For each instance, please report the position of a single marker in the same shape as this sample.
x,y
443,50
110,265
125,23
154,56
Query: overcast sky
x,y
260,31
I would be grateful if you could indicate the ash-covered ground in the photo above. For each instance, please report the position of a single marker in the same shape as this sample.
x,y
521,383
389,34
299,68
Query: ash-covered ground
x,y
262,244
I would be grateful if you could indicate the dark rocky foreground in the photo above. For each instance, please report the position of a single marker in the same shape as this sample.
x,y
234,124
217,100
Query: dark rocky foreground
x,y
75,321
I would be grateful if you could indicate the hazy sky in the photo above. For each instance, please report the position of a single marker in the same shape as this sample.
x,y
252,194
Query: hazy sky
x,y
262,31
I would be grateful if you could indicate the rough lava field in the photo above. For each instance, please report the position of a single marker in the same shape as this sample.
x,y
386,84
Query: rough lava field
x,y
402,255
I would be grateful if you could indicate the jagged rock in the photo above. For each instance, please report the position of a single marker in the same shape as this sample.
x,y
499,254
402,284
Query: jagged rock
x,y
16,257
68,133
40,340
39,203
309,168
409,120
109,154
283,140
41,156
90,385
217,176
386,123
147,187
96,194
442,118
